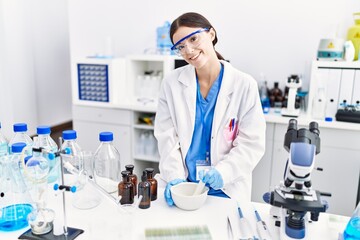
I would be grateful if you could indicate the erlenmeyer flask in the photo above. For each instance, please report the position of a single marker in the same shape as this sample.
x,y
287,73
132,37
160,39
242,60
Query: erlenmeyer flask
x,y
16,203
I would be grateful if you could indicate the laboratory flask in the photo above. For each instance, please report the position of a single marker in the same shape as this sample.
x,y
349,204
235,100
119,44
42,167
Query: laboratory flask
x,y
45,142
107,166
37,169
73,162
16,203
3,144
20,130
352,230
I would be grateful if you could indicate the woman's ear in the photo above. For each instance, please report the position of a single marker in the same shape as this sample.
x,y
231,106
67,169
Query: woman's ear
x,y
212,34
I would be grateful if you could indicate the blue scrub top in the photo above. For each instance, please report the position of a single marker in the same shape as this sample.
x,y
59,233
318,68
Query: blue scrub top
x,y
200,144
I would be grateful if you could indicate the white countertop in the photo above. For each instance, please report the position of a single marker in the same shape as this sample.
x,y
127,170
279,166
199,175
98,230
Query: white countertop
x,y
107,221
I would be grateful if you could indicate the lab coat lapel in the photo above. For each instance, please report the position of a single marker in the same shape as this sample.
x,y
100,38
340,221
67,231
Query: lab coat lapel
x,y
188,79
223,100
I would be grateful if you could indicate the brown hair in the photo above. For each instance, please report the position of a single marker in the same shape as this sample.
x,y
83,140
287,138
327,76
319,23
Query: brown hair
x,y
193,20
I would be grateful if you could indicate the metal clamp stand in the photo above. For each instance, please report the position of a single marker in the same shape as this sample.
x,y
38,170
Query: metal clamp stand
x,y
69,233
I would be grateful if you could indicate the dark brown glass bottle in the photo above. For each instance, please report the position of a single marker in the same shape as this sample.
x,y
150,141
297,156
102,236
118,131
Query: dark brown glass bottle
x,y
132,176
276,94
153,182
126,189
144,191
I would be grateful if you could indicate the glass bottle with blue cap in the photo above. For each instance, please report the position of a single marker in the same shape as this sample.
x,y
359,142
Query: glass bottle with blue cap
x,y
20,130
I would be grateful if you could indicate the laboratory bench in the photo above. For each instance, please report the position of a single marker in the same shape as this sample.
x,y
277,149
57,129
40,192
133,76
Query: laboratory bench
x,y
109,221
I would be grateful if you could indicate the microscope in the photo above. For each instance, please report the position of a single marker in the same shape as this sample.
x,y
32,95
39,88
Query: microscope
x,y
293,83
294,197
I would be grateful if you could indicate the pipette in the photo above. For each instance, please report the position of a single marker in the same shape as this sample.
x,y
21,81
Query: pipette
x,y
245,227
262,229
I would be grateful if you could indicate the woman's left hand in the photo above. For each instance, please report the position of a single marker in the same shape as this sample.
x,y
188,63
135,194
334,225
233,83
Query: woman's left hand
x,y
213,178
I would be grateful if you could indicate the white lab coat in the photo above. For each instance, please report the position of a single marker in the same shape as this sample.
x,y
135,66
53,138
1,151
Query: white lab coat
x,y
233,153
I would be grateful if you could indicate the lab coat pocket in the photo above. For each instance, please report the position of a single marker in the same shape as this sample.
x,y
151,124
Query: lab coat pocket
x,y
230,132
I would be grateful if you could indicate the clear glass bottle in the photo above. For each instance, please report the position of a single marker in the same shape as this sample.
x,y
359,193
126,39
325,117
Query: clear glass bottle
x,y
3,144
74,159
20,130
133,178
107,165
153,182
126,189
352,230
44,141
16,202
144,191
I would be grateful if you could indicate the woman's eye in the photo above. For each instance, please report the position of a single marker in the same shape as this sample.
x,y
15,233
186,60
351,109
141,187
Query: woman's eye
x,y
194,38
180,48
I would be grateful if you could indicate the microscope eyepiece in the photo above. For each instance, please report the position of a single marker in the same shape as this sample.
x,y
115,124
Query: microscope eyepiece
x,y
314,128
292,124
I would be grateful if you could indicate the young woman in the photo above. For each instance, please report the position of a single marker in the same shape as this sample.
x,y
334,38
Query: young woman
x,y
209,122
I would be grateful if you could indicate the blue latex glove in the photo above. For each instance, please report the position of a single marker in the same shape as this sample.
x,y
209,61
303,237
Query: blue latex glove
x,y
167,193
212,177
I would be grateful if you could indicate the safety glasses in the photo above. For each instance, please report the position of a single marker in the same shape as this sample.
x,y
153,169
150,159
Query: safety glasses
x,y
192,40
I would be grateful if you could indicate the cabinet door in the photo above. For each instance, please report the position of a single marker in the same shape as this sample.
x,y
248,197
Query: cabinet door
x,y
261,174
88,138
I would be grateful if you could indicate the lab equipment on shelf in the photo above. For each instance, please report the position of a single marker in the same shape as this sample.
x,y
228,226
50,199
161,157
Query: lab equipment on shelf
x,y
20,135
100,80
163,41
45,142
132,176
264,97
293,83
353,34
107,165
275,95
153,182
126,189
16,203
144,191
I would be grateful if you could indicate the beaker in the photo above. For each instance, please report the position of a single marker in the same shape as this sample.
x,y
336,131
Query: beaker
x,y
16,203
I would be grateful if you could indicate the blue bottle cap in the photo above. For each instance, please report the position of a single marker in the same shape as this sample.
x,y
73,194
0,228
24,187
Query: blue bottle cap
x,y
18,147
20,127
106,136
26,159
43,130
69,134
328,119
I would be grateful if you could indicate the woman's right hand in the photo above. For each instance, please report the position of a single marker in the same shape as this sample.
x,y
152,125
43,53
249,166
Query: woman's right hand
x,y
167,193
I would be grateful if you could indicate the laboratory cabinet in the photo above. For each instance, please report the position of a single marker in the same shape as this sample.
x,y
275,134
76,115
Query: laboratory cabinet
x,y
89,121
340,160
262,173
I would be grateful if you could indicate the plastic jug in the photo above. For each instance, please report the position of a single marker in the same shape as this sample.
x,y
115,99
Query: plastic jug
x,y
354,34
163,38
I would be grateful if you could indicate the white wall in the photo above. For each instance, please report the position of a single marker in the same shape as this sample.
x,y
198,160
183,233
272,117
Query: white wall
x,y
276,37
34,63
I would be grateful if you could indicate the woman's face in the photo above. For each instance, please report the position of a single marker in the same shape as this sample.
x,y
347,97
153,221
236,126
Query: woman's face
x,y
198,48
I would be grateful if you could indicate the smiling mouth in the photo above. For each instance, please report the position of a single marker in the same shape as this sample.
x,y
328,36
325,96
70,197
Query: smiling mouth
x,y
195,57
